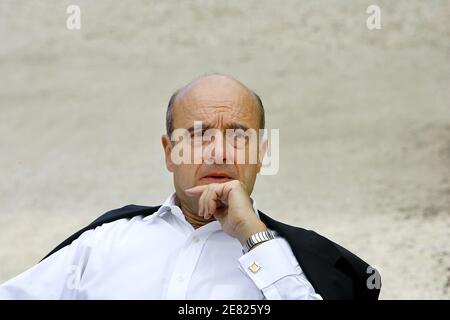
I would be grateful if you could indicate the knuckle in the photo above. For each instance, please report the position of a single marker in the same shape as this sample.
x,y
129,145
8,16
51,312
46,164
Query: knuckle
x,y
240,184
236,183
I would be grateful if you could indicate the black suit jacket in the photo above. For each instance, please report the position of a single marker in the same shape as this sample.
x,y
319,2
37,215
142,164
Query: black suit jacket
x,y
334,272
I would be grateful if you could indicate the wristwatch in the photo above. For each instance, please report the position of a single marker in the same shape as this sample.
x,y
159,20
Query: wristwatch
x,y
257,238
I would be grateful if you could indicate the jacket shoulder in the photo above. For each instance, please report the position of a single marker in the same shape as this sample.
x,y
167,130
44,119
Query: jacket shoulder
x,y
126,212
366,279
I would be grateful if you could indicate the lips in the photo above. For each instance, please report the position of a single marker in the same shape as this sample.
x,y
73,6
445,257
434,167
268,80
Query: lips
x,y
217,177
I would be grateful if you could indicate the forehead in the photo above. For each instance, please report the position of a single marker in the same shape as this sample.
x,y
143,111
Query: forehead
x,y
216,101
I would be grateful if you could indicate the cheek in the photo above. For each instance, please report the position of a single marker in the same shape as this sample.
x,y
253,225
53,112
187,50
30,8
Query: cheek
x,y
184,175
247,173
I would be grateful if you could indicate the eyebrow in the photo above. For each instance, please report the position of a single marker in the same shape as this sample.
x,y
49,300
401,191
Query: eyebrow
x,y
232,125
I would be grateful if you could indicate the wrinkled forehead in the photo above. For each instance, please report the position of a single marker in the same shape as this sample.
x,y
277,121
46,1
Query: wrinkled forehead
x,y
208,98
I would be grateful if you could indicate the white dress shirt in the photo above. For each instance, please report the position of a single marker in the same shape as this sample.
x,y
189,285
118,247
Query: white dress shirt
x,y
162,256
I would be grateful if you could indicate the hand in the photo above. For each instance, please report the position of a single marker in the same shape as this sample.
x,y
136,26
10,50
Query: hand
x,y
230,204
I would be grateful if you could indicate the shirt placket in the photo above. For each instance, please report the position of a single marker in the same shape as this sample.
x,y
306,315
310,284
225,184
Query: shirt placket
x,y
185,265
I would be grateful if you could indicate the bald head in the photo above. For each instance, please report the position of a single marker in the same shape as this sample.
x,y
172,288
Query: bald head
x,y
215,90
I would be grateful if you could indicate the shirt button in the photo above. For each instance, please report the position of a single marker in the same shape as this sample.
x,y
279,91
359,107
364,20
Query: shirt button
x,y
195,239
180,278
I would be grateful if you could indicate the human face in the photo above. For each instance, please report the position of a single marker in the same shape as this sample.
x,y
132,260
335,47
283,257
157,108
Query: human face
x,y
219,103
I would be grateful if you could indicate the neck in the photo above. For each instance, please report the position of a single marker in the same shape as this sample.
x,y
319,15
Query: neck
x,y
191,216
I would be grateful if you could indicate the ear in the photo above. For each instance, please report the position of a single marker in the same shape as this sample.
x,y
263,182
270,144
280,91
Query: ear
x,y
263,145
167,146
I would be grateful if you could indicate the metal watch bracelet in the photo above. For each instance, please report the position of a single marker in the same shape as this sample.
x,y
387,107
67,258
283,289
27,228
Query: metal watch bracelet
x,y
258,238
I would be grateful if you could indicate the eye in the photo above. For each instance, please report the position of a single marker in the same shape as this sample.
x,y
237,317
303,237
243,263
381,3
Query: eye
x,y
197,134
239,134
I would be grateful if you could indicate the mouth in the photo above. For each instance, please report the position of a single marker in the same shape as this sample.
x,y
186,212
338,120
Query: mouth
x,y
216,177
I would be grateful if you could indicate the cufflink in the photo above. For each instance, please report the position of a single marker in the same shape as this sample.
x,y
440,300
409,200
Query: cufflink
x,y
254,267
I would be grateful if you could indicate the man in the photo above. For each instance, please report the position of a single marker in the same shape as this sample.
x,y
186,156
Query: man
x,y
208,240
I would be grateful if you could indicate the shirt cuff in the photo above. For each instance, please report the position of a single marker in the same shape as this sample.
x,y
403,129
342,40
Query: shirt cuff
x,y
269,262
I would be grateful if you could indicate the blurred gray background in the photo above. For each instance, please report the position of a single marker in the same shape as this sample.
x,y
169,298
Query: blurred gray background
x,y
364,118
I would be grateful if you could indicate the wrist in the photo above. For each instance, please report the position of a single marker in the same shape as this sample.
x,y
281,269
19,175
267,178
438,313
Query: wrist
x,y
247,230
258,238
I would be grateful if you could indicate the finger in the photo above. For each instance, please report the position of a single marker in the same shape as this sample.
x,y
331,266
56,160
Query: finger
x,y
196,191
204,201
212,202
209,194
201,202
217,199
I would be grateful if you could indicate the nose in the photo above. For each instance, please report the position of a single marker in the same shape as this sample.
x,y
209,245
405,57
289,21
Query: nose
x,y
216,151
